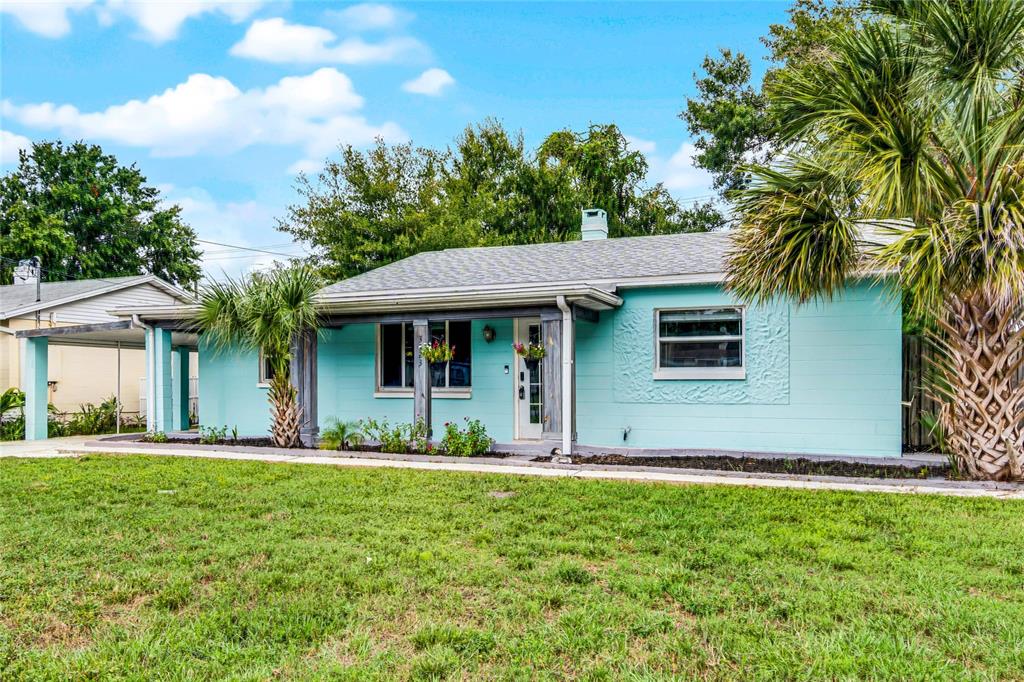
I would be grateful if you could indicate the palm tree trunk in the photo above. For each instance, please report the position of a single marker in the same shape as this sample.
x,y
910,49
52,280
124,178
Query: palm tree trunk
x,y
982,414
284,411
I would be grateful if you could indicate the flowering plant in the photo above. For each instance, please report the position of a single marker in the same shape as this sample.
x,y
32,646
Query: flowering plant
x,y
438,351
533,351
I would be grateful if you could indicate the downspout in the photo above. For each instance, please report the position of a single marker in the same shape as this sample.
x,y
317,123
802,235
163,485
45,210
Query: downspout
x,y
567,375
151,370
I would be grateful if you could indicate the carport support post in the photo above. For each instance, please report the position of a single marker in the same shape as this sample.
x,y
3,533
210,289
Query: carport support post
x,y
33,383
421,375
181,417
160,401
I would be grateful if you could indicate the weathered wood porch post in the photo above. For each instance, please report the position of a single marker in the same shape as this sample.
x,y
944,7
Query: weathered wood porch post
x,y
421,375
551,370
303,377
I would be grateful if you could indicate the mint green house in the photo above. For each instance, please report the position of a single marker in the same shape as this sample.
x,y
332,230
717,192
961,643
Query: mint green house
x,y
644,349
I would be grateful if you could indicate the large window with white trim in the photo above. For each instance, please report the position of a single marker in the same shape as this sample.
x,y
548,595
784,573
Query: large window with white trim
x,y
396,354
699,343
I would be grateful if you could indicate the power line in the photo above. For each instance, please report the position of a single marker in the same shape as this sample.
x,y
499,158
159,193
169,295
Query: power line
x,y
248,248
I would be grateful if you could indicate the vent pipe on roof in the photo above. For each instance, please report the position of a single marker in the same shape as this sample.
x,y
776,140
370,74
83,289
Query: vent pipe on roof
x,y
595,224
28,271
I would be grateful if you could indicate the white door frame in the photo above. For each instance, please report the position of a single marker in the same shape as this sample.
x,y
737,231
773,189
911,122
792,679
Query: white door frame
x,y
518,325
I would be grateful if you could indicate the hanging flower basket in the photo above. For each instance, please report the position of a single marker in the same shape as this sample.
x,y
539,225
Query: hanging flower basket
x,y
531,354
437,354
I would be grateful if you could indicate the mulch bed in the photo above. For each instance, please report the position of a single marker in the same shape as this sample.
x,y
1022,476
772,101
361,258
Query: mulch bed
x,y
799,466
263,442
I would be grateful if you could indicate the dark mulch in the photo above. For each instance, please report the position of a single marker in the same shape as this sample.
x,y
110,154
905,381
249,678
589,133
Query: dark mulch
x,y
264,442
251,442
800,466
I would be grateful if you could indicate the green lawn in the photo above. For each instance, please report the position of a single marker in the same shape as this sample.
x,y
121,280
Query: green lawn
x,y
171,568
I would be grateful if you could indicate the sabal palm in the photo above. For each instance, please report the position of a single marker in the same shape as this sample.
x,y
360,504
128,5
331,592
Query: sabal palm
x,y
264,312
913,125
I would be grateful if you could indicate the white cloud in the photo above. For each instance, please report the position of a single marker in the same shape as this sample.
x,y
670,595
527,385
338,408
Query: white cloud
x,y
430,82
211,114
275,40
369,16
10,145
678,172
48,19
160,20
641,145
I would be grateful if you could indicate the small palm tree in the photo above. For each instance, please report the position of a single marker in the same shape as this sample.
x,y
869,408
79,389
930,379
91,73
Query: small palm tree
x,y
913,125
264,312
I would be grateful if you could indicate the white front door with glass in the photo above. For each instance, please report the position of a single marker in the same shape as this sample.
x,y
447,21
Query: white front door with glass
x,y
529,384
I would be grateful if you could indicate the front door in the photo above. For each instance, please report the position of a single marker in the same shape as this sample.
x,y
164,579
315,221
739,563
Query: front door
x,y
529,387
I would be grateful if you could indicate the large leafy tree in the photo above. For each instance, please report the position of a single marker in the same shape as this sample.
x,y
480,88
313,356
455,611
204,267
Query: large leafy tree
x,y
914,127
370,208
264,312
732,118
87,216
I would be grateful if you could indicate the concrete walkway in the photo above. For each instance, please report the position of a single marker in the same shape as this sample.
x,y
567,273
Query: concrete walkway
x,y
521,466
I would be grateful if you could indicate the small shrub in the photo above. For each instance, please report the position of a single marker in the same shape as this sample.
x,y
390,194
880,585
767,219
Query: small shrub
x,y
211,435
472,442
341,435
393,439
573,574
156,437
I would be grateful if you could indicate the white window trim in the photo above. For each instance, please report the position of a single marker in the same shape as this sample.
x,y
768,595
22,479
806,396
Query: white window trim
x,y
443,392
700,373
261,381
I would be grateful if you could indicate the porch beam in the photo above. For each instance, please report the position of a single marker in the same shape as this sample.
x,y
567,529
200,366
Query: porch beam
x,y
34,372
551,372
303,377
421,407
439,316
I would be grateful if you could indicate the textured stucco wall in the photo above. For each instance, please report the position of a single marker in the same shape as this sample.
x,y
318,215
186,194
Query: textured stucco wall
x,y
821,378
228,391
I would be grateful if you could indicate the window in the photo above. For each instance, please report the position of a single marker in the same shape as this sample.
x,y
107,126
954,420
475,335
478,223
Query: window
x,y
266,371
699,343
396,353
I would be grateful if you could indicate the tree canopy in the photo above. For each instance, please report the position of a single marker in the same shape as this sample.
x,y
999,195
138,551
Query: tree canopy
x,y
734,121
87,216
370,208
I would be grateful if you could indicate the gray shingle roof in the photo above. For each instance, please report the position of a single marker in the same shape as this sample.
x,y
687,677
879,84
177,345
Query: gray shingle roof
x,y
578,261
15,297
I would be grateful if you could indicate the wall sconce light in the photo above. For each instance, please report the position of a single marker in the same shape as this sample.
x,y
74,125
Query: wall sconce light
x,y
489,333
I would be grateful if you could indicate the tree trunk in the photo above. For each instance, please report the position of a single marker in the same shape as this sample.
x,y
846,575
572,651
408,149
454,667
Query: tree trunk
x,y
982,412
284,411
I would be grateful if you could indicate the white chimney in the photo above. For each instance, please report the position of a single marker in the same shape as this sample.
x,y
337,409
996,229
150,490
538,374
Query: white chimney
x,y
595,224
27,271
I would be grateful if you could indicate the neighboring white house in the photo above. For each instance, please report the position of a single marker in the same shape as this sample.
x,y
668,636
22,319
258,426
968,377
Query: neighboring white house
x,y
82,372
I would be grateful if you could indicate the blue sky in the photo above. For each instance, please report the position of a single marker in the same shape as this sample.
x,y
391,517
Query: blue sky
x,y
221,103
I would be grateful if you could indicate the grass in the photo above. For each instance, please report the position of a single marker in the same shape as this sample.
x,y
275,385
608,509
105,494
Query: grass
x,y
132,567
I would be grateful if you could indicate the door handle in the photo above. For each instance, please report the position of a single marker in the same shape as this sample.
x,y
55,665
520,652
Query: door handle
x,y
522,393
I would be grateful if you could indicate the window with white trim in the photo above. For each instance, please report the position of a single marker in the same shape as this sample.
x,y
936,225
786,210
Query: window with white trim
x,y
266,371
396,353
699,343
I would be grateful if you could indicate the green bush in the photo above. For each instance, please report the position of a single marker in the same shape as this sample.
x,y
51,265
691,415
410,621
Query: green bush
x,y
211,435
400,438
472,442
341,435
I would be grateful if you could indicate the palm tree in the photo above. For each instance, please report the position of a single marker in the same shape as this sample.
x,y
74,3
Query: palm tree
x,y
911,126
264,312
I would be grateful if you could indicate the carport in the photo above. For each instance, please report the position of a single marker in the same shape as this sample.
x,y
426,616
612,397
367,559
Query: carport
x,y
167,362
